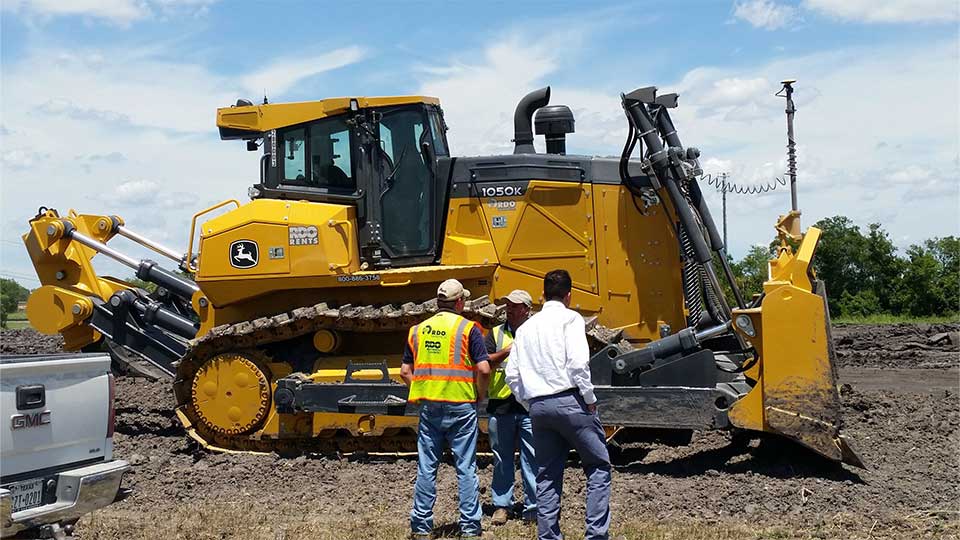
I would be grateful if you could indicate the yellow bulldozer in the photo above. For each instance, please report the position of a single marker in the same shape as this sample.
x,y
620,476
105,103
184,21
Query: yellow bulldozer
x,y
283,326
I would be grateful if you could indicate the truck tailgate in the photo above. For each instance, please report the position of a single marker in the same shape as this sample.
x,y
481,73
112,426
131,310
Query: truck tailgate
x,y
70,426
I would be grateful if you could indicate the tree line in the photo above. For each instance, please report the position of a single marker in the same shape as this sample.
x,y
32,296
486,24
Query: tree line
x,y
11,294
867,275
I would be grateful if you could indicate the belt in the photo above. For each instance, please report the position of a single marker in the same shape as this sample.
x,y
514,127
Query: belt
x,y
567,392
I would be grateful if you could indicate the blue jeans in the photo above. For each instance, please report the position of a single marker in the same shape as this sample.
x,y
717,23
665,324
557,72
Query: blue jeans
x,y
506,430
456,424
560,422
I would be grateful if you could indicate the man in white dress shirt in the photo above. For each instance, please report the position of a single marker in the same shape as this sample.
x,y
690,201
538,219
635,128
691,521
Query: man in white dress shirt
x,y
550,370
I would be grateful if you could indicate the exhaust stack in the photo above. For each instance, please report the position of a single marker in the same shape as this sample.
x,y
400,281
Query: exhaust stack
x,y
523,120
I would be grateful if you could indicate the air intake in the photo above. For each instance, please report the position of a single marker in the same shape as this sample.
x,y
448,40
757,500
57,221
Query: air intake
x,y
554,121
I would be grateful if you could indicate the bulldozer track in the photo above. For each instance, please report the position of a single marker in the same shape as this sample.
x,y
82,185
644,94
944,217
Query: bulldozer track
x,y
252,334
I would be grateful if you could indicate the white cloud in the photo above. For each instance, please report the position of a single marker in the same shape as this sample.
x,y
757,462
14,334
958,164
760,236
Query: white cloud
x,y
64,107
481,94
20,158
766,14
136,88
142,88
119,12
888,11
134,136
136,192
735,91
279,76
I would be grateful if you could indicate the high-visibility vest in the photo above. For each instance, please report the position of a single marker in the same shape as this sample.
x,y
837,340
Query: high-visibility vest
x,y
442,367
498,380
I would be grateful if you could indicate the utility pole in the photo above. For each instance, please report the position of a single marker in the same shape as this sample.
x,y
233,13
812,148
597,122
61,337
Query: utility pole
x,y
723,194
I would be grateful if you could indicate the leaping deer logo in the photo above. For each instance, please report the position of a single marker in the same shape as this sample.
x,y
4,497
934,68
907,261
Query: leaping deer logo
x,y
244,254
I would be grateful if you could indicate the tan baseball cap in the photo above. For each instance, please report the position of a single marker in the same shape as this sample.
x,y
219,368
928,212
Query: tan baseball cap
x,y
452,289
518,296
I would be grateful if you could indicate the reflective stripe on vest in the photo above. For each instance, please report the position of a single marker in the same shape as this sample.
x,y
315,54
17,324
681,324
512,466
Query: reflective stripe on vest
x,y
442,367
498,379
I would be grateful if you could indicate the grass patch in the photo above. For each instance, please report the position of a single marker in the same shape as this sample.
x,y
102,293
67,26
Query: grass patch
x,y
886,318
17,320
17,325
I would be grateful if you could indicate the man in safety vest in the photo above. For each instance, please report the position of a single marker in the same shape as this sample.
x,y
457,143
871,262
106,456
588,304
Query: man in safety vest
x,y
445,365
509,421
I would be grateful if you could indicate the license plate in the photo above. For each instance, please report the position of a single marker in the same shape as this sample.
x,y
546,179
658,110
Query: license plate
x,y
26,494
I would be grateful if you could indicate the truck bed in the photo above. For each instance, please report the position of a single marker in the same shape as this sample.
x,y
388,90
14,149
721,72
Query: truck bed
x,y
71,424
56,450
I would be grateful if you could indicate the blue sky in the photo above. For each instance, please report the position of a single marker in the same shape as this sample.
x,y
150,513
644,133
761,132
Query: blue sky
x,y
109,106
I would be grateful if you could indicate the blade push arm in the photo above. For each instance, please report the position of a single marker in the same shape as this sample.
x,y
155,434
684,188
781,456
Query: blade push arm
x,y
83,306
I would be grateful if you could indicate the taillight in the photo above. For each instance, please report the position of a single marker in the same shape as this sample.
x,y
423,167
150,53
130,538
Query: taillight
x,y
111,414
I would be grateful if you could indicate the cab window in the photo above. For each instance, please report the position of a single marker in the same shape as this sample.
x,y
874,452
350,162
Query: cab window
x,y
294,150
330,165
436,127
318,156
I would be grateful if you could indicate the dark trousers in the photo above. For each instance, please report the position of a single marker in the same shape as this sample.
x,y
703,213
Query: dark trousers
x,y
562,422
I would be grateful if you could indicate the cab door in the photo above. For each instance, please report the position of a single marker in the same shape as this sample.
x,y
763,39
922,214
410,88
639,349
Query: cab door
x,y
409,201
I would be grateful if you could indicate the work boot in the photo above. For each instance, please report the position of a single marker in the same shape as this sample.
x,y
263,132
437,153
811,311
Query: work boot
x,y
500,516
530,517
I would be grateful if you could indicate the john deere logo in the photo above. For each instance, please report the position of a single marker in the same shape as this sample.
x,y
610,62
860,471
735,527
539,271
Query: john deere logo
x,y
244,254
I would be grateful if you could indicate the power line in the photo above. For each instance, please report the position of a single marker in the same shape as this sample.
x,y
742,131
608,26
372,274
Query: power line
x,y
15,272
18,276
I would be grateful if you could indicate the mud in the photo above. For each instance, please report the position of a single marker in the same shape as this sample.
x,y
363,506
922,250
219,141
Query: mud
x,y
904,423
908,440
29,341
897,345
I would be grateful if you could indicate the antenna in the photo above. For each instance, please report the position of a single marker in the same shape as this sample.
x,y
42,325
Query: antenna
x,y
788,226
787,92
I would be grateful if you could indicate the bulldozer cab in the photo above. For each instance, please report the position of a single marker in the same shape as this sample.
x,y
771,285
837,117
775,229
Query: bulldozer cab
x,y
379,154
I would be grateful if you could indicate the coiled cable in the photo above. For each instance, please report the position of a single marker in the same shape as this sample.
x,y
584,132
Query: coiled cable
x,y
720,183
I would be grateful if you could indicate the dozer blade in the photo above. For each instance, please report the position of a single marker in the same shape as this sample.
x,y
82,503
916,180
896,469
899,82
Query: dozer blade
x,y
796,392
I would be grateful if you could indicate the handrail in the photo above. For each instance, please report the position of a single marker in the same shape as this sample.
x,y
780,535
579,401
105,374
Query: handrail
x,y
188,264
351,253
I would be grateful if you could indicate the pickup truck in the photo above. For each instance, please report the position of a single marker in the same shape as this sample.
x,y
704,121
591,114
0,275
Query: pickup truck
x,y
56,443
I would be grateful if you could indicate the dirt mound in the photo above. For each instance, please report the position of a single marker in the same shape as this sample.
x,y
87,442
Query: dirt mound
x,y
29,341
897,345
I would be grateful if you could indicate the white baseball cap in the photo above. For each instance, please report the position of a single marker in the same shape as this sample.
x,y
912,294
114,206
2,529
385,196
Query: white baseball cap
x,y
518,296
452,289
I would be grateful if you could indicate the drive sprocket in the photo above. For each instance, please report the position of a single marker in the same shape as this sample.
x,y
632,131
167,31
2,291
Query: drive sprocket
x,y
230,393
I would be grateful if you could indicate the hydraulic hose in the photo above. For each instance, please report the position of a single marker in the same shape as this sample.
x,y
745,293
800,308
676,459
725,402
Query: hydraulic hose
x,y
669,132
692,282
667,173
667,165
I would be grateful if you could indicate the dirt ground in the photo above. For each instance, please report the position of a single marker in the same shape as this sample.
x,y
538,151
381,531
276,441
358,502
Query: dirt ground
x,y
900,407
